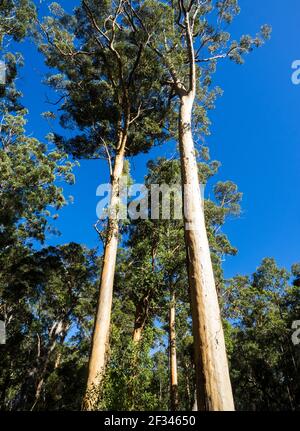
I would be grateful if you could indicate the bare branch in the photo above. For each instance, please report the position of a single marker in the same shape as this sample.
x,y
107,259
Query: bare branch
x,y
191,54
219,56
108,156
51,42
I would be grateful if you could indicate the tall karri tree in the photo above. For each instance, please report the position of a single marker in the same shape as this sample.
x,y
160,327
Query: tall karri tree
x,y
111,91
152,273
188,38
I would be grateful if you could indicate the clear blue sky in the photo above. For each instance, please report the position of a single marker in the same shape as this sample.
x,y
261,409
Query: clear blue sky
x,y
255,134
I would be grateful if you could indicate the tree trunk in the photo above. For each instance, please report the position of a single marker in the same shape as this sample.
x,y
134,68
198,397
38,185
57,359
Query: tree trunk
x,y
39,387
173,357
142,308
195,405
59,329
141,314
100,338
212,375
188,396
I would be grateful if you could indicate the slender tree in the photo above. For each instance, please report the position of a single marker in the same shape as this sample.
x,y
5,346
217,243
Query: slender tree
x,y
173,353
189,40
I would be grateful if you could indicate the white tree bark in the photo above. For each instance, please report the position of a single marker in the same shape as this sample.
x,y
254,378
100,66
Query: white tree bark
x,y
213,382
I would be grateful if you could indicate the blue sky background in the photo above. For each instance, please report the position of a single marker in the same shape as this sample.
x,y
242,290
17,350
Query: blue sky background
x,y
255,135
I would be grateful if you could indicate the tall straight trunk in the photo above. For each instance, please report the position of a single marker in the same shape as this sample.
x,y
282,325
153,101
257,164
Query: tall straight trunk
x,y
173,356
100,338
212,374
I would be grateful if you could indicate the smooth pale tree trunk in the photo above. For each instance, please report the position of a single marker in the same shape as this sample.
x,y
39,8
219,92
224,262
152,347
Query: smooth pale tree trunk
x,y
173,356
195,405
137,334
212,374
100,340
139,323
141,314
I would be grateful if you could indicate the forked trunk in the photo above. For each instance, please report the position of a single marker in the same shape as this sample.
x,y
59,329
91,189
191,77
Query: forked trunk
x,y
102,321
173,356
212,374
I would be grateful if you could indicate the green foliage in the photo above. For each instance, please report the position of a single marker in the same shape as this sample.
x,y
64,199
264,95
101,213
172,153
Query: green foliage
x,y
151,265
16,16
29,177
129,373
188,36
264,362
109,83
40,291
45,300
115,71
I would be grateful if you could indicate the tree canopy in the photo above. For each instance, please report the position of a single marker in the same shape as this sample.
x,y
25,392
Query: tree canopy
x,y
149,319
